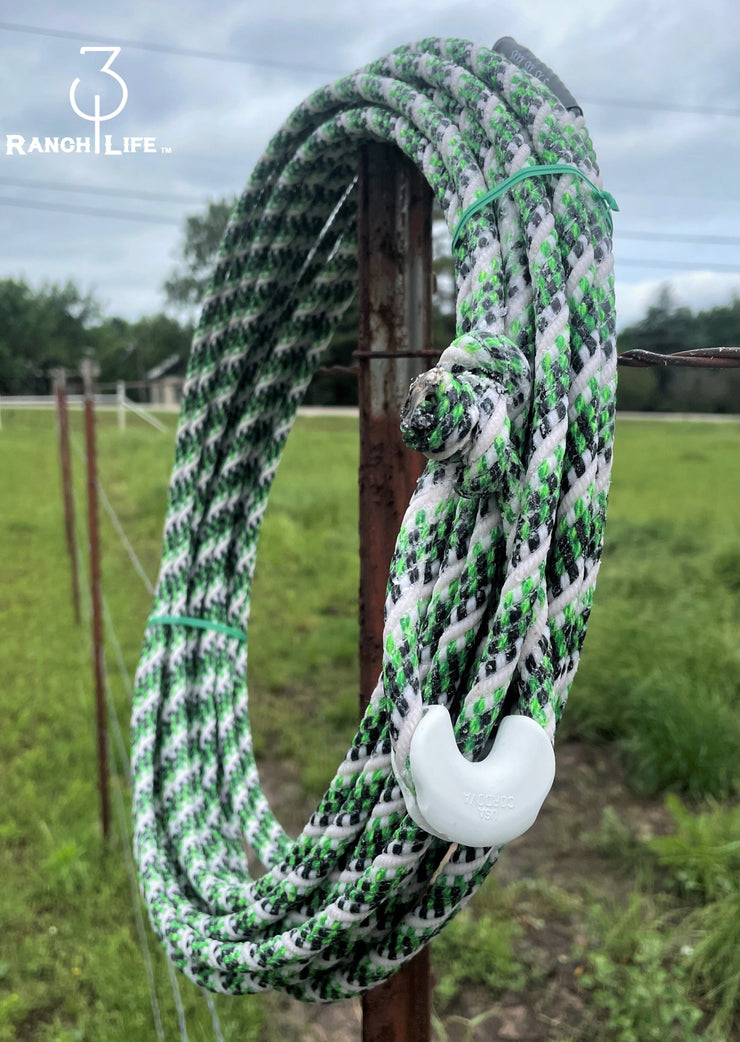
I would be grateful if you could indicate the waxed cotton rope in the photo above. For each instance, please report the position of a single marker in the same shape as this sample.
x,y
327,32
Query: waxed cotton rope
x,y
492,579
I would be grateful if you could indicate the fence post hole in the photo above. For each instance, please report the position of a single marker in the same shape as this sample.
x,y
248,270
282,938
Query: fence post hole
x,y
89,373
60,393
121,404
395,285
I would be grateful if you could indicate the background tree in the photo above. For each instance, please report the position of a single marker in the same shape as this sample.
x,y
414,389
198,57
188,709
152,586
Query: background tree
x,y
131,350
59,325
667,328
186,286
39,330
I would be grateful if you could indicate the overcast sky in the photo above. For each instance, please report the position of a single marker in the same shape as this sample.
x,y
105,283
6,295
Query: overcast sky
x,y
659,83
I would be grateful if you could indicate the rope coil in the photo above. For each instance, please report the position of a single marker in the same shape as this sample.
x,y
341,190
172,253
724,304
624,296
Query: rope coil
x,y
492,579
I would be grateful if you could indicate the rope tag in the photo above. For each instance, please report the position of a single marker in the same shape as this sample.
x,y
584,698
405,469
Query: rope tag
x,y
610,203
529,62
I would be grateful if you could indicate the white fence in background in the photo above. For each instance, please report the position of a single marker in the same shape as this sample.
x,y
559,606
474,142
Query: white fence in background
x,y
119,402
124,405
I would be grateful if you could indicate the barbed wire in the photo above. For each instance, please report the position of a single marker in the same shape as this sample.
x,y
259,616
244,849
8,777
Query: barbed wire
x,y
696,358
638,358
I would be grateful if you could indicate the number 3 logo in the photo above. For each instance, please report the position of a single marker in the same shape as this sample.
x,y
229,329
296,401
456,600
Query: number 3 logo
x,y
96,117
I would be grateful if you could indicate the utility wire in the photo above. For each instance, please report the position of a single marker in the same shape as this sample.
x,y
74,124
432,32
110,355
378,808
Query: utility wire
x,y
123,193
271,63
718,240
649,191
202,200
660,106
700,239
166,48
635,262
90,211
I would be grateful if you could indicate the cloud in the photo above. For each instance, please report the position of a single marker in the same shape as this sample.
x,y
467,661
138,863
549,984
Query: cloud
x,y
668,171
696,289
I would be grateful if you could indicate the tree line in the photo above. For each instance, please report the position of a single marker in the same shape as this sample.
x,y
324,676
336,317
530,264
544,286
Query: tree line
x,y
59,325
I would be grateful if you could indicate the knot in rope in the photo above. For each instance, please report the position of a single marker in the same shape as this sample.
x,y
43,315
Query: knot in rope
x,y
492,578
462,411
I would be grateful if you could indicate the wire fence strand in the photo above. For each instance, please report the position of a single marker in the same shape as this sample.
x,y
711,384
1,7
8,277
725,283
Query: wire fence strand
x,y
696,358
120,661
124,833
119,529
214,1016
181,1023
122,819
124,830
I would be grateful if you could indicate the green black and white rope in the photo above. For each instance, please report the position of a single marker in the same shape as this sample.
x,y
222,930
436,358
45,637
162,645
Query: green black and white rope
x,y
492,580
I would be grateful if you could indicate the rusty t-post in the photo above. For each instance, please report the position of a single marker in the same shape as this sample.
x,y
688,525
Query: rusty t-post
x,y
89,373
395,289
60,393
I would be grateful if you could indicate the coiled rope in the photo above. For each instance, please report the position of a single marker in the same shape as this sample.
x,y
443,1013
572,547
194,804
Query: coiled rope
x,y
492,579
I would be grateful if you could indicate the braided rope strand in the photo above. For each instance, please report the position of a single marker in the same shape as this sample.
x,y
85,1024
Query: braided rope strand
x,y
492,579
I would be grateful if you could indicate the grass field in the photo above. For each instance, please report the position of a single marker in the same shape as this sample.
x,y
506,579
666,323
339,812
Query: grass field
x,y
617,918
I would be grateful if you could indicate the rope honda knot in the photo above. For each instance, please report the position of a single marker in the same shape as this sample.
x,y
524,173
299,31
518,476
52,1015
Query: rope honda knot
x,y
463,409
492,579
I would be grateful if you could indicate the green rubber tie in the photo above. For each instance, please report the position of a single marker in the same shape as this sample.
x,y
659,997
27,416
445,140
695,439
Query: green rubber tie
x,y
606,198
200,624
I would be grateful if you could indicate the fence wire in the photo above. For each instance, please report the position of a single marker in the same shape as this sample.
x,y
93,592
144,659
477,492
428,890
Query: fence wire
x,y
125,769
122,821
116,522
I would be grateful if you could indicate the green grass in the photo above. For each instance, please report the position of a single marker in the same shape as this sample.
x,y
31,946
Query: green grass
x,y
638,979
659,679
702,860
661,669
478,949
307,577
70,965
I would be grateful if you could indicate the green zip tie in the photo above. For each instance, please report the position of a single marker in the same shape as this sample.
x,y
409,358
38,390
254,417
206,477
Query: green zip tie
x,y
199,624
610,203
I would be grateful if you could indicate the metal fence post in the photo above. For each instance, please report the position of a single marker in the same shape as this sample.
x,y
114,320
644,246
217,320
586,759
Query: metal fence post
x,y
60,393
395,288
89,373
